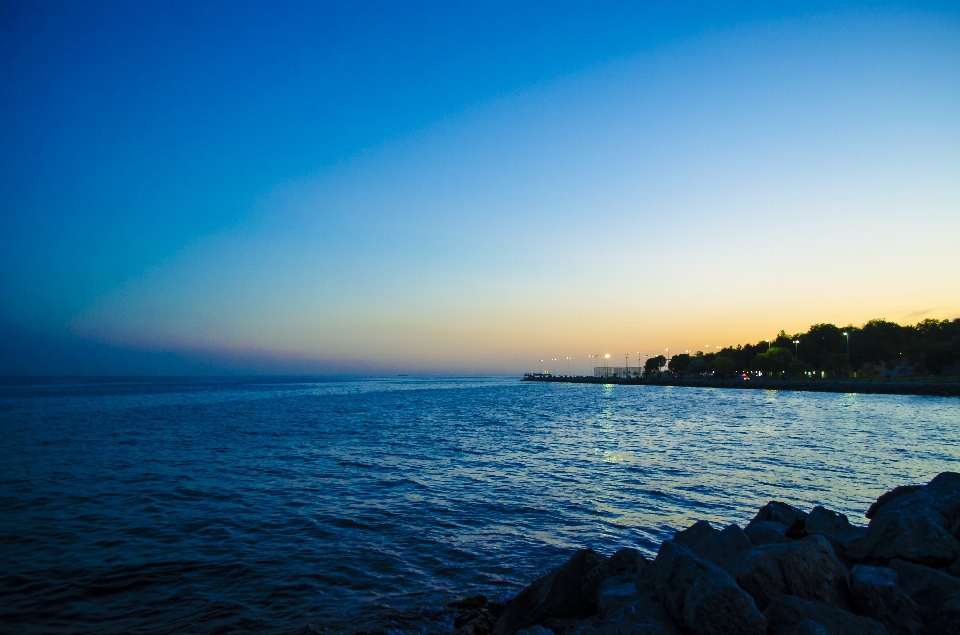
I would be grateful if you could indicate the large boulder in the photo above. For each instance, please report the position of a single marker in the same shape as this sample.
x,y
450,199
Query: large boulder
x,y
875,594
936,593
916,524
724,548
779,512
766,532
557,594
626,561
775,522
954,569
806,568
790,615
824,521
700,597
577,626
694,534
887,497
629,605
838,530
614,593
808,627
480,623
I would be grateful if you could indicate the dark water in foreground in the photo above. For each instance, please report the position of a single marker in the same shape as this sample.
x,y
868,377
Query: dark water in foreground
x,y
266,505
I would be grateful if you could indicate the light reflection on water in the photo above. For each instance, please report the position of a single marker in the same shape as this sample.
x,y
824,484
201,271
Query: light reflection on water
x,y
265,505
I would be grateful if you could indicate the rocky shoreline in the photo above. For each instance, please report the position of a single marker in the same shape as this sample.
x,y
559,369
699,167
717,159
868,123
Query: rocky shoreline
x,y
788,572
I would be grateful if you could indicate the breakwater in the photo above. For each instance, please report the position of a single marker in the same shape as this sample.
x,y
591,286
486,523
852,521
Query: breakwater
x,y
787,572
932,388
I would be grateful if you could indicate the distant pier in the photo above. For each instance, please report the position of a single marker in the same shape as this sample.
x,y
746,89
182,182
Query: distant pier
x,y
895,387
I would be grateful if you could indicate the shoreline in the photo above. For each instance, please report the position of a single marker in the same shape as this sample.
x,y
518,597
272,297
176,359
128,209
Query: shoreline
x,y
787,572
929,388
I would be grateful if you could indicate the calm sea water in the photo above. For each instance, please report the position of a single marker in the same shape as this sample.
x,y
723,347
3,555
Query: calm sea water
x,y
277,506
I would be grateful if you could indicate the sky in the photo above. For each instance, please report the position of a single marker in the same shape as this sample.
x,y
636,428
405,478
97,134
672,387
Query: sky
x,y
466,188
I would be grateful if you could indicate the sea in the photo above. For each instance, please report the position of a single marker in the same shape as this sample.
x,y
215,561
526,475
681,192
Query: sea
x,y
345,505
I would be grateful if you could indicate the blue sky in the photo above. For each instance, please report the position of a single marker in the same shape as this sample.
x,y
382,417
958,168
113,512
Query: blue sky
x,y
454,187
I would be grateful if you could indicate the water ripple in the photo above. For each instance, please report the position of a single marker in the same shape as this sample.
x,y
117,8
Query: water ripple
x,y
216,506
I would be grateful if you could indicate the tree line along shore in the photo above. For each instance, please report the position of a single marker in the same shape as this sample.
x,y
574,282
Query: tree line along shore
x,y
878,348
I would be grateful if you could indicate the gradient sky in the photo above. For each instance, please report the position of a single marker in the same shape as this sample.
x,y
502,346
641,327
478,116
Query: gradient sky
x,y
466,187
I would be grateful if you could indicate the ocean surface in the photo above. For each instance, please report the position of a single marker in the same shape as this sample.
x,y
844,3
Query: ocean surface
x,y
286,506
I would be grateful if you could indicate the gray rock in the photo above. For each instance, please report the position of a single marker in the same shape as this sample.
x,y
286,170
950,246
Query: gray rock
x,y
936,593
623,562
637,614
841,549
694,534
914,524
614,593
786,515
806,568
701,597
808,627
724,548
593,628
875,594
787,615
943,495
481,623
954,569
557,594
896,492
823,521
913,533
766,532
582,626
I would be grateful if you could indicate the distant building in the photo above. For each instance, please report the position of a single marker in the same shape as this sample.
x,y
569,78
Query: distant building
x,y
617,371
903,370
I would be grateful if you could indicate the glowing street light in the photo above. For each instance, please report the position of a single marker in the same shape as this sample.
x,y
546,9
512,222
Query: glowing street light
x,y
796,348
848,353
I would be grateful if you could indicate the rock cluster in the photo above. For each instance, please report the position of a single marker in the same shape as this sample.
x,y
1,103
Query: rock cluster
x,y
786,573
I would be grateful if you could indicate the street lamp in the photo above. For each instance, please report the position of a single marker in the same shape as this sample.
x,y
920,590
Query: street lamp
x,y
606,368
568,365
848,353
554,360
796,348
768,344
